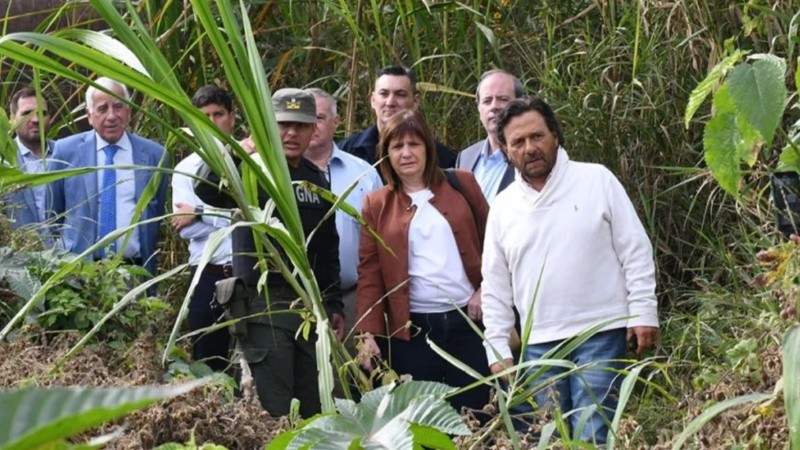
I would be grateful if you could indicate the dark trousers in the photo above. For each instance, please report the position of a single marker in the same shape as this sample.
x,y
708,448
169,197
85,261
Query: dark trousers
x,y
451,332
212,347
283,368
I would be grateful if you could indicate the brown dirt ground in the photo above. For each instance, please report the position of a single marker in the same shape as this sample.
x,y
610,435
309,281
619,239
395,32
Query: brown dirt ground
x,y
207,412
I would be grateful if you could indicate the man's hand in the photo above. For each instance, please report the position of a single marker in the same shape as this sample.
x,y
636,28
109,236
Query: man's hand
x,y
474,306
643,337
500,366
337,323
367,350
184,216
248,145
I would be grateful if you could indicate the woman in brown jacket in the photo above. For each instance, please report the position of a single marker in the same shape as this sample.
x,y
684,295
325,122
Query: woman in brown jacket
x,y
425,277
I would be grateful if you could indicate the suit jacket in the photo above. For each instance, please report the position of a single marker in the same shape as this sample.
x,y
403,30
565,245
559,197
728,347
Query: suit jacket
x,y
365,146
20,205
76,197
389,213
468,158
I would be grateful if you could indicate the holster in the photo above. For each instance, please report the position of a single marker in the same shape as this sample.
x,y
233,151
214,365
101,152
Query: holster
x,y
232,295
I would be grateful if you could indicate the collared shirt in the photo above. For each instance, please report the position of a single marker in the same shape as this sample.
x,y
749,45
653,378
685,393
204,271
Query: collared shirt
x,y
343,170
437,279
31,163
212,219
489,171
125,188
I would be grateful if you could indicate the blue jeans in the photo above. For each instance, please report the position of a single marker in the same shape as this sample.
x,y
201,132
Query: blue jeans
x,y
595,385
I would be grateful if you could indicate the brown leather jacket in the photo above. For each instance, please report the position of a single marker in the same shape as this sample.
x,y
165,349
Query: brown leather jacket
x,y
382,293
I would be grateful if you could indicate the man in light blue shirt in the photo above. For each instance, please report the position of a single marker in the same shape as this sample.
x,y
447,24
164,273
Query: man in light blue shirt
x,y
31,119
342,170
486,159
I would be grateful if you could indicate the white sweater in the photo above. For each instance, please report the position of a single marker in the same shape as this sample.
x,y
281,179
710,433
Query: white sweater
x,y
573,255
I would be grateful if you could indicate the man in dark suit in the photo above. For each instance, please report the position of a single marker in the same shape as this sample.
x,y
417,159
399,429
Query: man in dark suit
x,y
31,117
90,206
486,159
395,90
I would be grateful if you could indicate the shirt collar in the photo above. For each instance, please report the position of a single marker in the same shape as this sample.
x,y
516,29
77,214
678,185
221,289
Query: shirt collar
x,y
28,153
124,143
336,154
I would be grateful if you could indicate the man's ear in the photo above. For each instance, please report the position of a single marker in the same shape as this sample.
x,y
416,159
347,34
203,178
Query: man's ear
x,y
416,101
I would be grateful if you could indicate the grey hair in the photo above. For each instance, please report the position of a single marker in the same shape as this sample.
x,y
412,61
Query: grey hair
x,y
107,83
519,89
317,92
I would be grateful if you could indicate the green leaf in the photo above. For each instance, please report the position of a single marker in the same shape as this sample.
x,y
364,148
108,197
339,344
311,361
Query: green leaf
x,y
282,440
705,87
791,384
759,94
626,388
695,425
36,417
727,141
429,437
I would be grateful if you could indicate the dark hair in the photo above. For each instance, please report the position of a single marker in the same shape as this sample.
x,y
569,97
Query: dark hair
x,y
212,95
519,89
404,123
25,92
399,71
520,106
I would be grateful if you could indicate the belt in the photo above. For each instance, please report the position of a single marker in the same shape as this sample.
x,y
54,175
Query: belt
x,y
348,290
222,270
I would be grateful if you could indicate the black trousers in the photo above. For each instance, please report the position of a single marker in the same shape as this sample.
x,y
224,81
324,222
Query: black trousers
x,y
212,347
450,331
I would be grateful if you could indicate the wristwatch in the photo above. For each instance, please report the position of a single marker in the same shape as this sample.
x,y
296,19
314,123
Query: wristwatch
x,y
198,211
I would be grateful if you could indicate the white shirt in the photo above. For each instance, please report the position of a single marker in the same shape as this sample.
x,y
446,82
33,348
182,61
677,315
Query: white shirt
x,y
212,219
437,280
574,254
343,170
125,190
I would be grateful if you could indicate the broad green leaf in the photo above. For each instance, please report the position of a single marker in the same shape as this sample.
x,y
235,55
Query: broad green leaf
x,y
791,386
282,440
402,395
725,140
430,437
36,417
695,425
705,87
759,94
435,412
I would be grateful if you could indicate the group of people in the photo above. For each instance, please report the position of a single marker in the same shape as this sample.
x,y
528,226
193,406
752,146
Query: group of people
x,y
518,233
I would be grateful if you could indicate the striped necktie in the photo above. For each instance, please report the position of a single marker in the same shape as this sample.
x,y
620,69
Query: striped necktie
x,y
107,221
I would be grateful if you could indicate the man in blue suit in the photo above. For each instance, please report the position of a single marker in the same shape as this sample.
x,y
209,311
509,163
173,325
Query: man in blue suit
x,y
25,207
90,206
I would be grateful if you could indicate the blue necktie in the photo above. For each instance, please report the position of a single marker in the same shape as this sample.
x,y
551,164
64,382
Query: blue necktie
x,y
108,199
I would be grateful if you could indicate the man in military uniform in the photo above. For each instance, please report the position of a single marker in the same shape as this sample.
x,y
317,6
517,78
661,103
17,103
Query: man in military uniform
x,y
283,362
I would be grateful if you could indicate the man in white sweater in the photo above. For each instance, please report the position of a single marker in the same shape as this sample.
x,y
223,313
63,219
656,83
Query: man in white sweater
x,y
565,246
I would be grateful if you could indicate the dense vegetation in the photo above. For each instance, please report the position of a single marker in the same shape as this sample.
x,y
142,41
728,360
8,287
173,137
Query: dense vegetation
x,y
620,75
